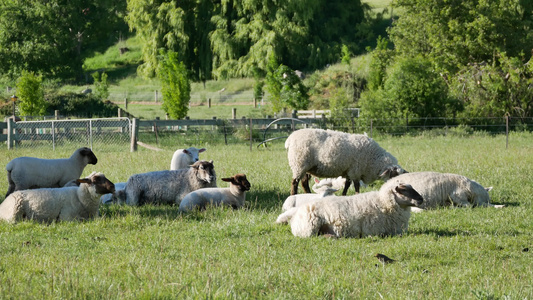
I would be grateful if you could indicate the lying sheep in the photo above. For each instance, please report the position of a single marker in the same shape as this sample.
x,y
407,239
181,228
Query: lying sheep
x,y
58,204
167,187
328,153
183,158
29,172
233,196
323,188
112,198
445,189
378,213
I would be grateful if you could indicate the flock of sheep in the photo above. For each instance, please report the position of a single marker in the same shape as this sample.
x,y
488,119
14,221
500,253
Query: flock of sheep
x,y
49,190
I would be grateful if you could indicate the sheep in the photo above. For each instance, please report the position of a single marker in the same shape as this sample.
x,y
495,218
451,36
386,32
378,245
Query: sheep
x,y
445,189
376,213
183,158
323,188
57,204
328,153
30,172
233,196
167,187
112,198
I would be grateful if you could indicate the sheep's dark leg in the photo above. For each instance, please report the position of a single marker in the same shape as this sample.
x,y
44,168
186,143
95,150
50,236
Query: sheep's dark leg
x,y
294,187
305,183
11,187
346,186
357,186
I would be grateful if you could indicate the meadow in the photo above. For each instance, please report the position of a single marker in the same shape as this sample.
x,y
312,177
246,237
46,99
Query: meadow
x,y
155,252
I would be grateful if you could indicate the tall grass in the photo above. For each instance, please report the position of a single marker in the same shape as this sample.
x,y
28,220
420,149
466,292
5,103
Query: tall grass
x,y
155,252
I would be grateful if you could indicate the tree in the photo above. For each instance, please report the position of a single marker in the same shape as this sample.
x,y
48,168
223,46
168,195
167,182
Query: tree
x,y
454,33
285,88
175,85
49,36
412,89
31,96
101,86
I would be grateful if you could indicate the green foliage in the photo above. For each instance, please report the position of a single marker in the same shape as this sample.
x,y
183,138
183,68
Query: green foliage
x,y
175,86
285,88
101,85
454,34
411,89
345,55
381,59
495,91
79,105
30,94
47,36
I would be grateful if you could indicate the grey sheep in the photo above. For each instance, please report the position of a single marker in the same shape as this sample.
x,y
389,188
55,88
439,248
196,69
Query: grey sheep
x,y
58,204
167,187
328,153
29,172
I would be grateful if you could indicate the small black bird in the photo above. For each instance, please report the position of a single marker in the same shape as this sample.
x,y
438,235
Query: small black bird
x,y
384,259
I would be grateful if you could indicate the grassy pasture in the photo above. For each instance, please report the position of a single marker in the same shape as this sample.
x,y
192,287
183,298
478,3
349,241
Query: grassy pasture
x,y
154,252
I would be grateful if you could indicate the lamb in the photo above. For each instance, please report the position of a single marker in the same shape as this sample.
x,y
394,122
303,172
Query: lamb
x,y
233,196
328,153
323,188
167,187
445,189
183,158
57,204
377,213
29,172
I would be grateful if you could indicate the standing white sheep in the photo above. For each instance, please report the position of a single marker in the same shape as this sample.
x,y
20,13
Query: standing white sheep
x,y
233,196
29,172
167,187
183,158
328,153
378,213
445,189
58,204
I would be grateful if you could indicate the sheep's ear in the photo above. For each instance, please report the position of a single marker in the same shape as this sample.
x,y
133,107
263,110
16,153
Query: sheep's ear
x,y
186,151
488,189
230,179
83,180
201,150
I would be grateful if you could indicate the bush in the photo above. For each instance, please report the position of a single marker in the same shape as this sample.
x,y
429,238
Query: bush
x,y
73,104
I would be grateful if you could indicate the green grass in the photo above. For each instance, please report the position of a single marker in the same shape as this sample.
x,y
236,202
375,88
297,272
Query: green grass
x,y
155,252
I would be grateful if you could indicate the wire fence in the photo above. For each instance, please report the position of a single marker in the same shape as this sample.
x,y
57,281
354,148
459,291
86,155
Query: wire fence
x,y
117,132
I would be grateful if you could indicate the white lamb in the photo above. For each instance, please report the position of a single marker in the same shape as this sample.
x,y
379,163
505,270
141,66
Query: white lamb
x,y
323,188
183,158
445,189
328,153
58,204
29,172
167,187
378,213
233,196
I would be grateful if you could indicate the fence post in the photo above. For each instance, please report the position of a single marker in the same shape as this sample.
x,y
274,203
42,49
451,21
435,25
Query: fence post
x,y
10,133
126,103
56,114
251,137
255,103
234,113
155,96
209,103
134,133
506,132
